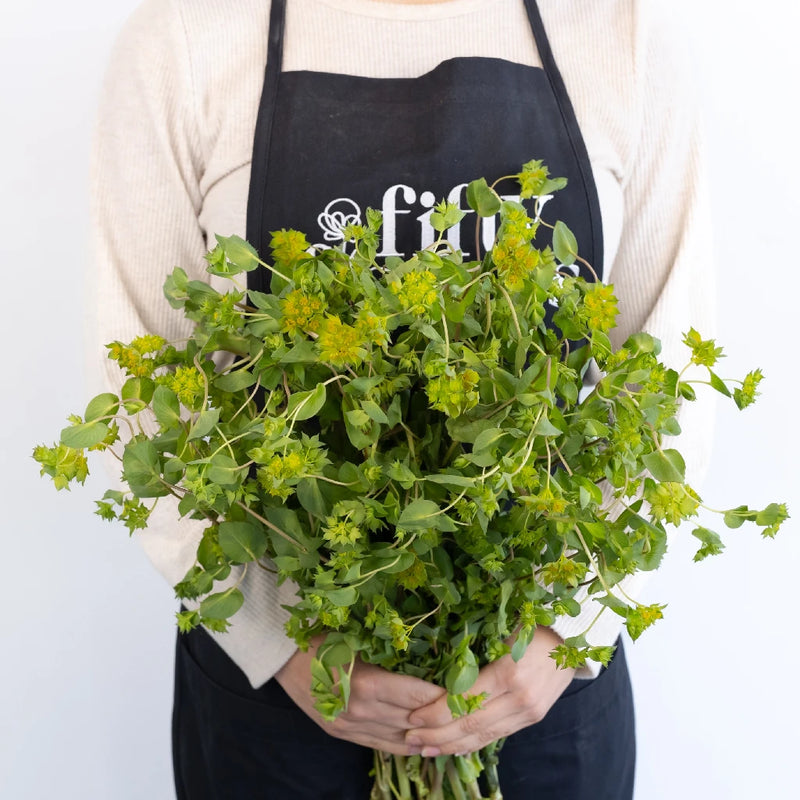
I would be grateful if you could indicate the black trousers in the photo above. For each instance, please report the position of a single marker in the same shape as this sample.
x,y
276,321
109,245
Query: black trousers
x,y
231,742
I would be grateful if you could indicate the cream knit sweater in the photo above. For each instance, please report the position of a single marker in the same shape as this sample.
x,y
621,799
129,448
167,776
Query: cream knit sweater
x,y
172,161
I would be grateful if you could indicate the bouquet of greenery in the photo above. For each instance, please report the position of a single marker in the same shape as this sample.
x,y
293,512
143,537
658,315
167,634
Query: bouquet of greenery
x,y
411,444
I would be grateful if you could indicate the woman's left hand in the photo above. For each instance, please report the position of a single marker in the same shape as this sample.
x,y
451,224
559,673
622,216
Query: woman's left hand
x,y
519,694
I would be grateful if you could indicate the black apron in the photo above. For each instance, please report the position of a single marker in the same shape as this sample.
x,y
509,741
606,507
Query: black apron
x,y
327,147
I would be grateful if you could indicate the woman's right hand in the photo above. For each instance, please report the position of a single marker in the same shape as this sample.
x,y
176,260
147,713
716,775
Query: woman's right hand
x,y
379,707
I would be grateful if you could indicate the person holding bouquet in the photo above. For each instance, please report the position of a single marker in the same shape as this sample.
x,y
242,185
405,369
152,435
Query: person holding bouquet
x,y
255,116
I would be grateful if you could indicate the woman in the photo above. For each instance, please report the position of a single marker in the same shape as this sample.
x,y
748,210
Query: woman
x,y
393,105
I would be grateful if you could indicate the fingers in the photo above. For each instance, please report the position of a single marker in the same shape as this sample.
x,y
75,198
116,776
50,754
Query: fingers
x,y
473,731
402,691
490,681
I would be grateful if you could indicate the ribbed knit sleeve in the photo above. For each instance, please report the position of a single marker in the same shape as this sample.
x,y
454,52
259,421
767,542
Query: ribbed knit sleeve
x,y
172,160
146,175
663,273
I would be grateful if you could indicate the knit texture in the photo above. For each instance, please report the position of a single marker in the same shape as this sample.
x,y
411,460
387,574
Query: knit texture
x,y
171,168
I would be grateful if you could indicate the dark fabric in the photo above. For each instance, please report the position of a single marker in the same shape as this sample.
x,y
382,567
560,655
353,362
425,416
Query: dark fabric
x,y
584,749
232,742
328,146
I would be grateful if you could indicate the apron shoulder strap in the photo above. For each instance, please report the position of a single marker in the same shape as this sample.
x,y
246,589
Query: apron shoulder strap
x,y
266,115
573,130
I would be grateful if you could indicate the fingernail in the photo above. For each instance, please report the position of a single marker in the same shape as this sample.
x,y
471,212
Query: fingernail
x,y
413,741
430,752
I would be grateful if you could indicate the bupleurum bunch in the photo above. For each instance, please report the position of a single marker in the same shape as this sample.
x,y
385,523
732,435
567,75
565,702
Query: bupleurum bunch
x,y
412,444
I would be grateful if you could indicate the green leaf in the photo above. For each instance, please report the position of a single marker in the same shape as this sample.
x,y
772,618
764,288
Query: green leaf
x,y
239,252
552,185
445,215
461,481
736,517
374,411
488,439
222,604
419,514
224,471
304,405
242,541
101,407
666,466
136,394
462,429
718,384
482,198
204,424
234,381
311,498
176,288
342,597
686,391
166,407
774,512
546,428
336,654
86,434
394,413
463,674
141,469
357,417
712,544
524,638
565,246
399,472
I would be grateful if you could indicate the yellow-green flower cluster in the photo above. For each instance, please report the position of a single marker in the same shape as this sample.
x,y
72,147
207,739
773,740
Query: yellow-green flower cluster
x,y
547,501
416,291
532,178
515,259
301,312
288,246
282,470
340,344
334,617
221,310
454,394
133,357
371,328
599,309
188,383
642,617
671,502
63,464
565,570
518,225
340,532
704,351
747,394
399,632
414,576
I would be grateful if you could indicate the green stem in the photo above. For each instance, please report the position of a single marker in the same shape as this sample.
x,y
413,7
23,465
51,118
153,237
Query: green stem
x,y
489,756
403,785
437,792
456,787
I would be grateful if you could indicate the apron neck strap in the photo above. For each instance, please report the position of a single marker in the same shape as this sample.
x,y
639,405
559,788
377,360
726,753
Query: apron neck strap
x,y
269,93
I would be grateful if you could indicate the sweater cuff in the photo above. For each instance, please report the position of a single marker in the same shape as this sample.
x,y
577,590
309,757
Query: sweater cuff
x,y
255,641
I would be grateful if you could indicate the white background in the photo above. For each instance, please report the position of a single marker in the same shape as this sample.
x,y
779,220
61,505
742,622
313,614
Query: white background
x,y
86,631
